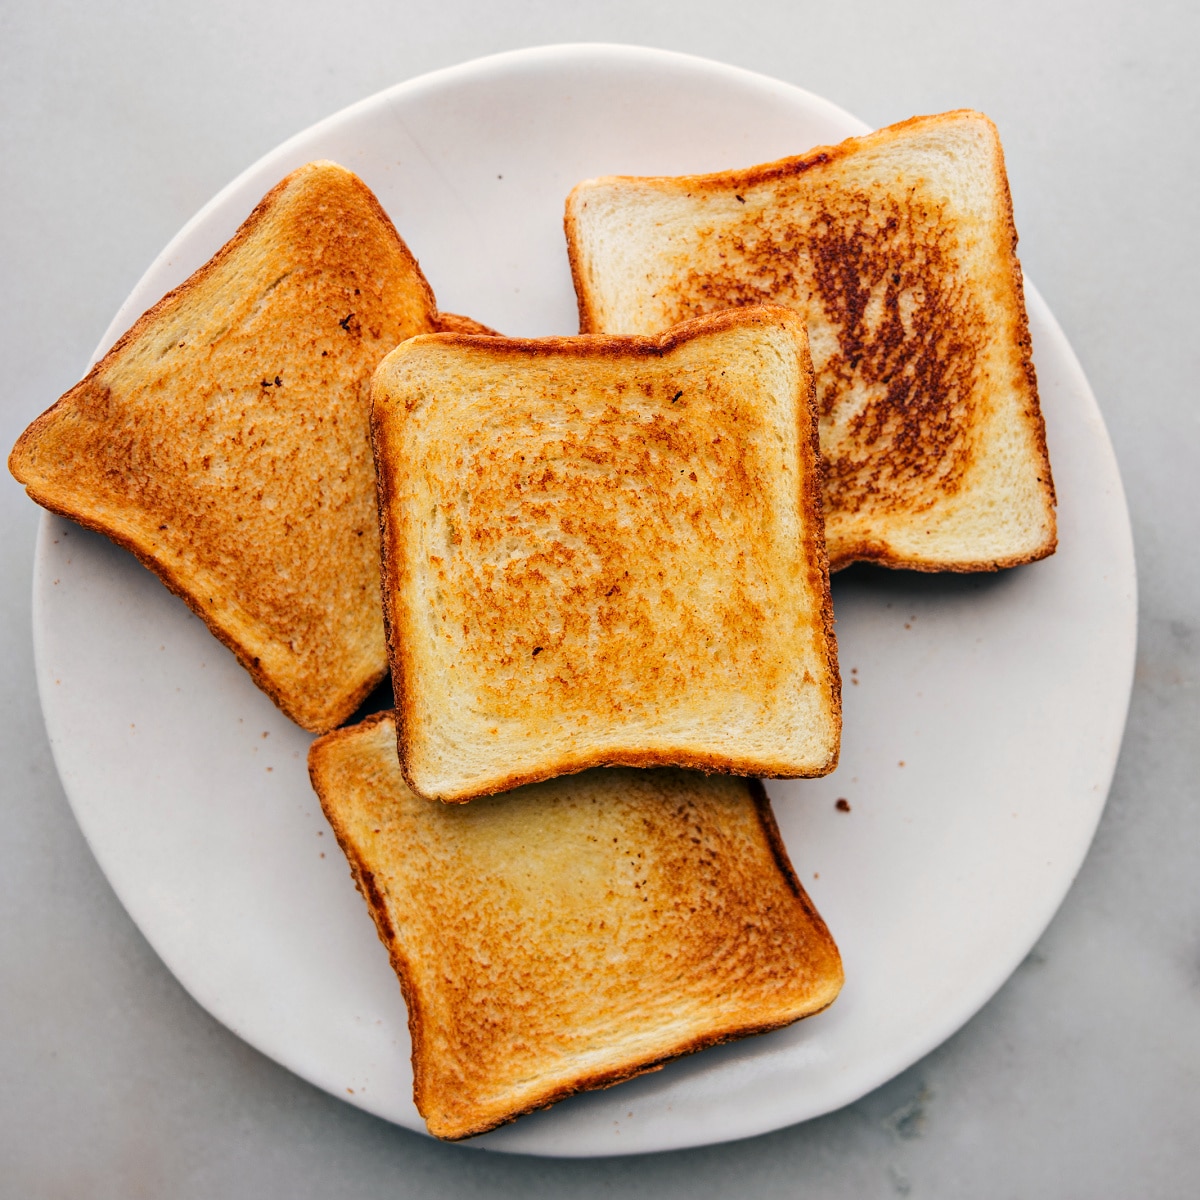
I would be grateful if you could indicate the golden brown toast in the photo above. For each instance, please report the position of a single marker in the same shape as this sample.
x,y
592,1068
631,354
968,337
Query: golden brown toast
x,y
899,248
575,933
605,551
224,439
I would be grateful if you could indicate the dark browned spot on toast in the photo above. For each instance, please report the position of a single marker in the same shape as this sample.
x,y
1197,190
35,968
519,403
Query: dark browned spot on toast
x,y
896,337
915,359
375,899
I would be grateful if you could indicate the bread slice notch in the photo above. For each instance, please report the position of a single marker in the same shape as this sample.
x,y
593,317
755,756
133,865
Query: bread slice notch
x,y
899,248
225,438
605,551
574,933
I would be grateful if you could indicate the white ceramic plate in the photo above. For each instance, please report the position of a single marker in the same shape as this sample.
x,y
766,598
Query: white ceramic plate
x,y
982,714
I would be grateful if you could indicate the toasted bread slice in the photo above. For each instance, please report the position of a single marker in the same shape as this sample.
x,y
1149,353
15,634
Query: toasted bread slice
x,y
575,933
225,438
605,551
899,249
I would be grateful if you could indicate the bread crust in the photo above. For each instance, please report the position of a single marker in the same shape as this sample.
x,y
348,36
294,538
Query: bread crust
x,y
320,755
926,432
362,797
317,668
448,322
395,576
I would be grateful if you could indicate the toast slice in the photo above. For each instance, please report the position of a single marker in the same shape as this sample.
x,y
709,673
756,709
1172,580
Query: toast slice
x,y
899,249
575,933
605,551
225,438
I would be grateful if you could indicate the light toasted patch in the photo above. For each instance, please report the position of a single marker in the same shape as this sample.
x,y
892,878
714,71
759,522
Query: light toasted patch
x,y
574,933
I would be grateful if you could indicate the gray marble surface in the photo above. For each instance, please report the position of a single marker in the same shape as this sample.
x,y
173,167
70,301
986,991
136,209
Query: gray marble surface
x,y
1082,1077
